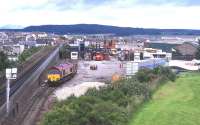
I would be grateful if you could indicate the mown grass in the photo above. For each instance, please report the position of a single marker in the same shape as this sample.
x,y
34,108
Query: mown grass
x,y
175,103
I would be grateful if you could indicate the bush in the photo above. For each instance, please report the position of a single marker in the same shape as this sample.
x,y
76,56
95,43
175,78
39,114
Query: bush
x,y
110,105
146,75
64,52
28,53
143,75
4,62
86,110
167,72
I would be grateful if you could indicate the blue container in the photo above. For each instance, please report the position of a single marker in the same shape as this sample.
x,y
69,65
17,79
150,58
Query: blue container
x,y
152,63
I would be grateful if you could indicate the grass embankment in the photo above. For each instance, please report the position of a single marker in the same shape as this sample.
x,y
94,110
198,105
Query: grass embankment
x,y
175,103
113,104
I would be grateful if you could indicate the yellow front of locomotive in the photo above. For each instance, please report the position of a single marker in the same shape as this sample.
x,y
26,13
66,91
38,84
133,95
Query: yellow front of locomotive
x,y
54,76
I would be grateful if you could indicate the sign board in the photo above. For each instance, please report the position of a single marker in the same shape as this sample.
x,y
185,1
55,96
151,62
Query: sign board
x,y
11,73
136,56
8,73
74,55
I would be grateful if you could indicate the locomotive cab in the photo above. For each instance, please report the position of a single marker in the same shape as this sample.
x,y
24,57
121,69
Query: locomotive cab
x,y
54,75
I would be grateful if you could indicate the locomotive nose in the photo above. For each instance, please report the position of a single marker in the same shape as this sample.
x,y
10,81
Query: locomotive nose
x,y
54,77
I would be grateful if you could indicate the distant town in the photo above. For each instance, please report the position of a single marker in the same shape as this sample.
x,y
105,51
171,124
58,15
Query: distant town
x,y
180,46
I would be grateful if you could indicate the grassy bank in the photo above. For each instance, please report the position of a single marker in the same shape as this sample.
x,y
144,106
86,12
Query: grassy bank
x,y
113,104
175,103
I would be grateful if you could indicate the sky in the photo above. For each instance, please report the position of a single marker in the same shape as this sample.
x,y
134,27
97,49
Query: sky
x,y
165,14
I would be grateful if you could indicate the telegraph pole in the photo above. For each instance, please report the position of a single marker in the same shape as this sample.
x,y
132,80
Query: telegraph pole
x,y
8,96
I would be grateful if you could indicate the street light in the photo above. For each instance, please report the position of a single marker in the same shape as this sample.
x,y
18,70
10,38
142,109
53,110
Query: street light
x,y
11,73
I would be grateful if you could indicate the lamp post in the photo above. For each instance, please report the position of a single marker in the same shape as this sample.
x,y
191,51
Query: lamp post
x,y
11,73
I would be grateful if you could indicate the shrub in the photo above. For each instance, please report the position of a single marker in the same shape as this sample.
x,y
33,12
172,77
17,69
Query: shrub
x,y
28,53
110,105
143,75
64,52
4,62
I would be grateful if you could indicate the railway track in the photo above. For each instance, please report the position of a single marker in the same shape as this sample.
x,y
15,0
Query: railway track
x,y
33,113
19,82
24,92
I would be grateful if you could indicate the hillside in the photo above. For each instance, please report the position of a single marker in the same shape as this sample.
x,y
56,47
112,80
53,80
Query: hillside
x,y
103,29
175,103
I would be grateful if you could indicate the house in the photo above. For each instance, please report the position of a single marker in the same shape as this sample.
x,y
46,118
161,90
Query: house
x,y
151,53
130,45
42,42
13,51
28,44
42,35
166,47
31,37
185,51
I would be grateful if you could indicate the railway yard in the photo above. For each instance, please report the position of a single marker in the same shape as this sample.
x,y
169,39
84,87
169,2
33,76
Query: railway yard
x,y
84,79
84,75
71,69
30,94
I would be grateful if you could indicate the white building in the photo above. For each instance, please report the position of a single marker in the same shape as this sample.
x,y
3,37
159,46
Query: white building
x,y
150,53
133,45
42,35
13,49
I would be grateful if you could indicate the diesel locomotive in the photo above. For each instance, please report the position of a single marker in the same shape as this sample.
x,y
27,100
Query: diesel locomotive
x,y
61,73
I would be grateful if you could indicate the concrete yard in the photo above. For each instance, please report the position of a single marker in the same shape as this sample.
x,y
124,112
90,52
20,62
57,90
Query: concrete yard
x,y
86,78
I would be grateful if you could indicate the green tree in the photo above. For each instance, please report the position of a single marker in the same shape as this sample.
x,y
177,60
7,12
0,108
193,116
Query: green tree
x,y
64,52
28,53
4,62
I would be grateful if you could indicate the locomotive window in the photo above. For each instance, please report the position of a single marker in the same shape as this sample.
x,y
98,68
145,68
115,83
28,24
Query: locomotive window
x,y
54,72
71,69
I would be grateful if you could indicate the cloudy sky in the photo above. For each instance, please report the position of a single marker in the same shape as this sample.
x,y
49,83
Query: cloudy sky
x,y
184,14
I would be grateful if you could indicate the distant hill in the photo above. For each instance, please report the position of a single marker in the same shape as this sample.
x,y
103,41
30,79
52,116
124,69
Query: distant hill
x,y
11,27
103,29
